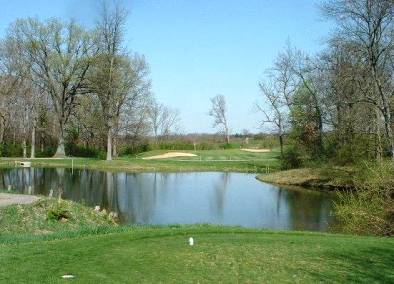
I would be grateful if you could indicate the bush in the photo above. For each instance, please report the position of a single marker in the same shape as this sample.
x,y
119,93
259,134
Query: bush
x,y
11,150
370,208
230,146
57,212
206,146
86,152
48,151
292,158
134,149
175,145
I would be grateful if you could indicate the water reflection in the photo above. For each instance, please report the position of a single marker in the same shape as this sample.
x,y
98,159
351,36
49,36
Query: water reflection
x,y
184,198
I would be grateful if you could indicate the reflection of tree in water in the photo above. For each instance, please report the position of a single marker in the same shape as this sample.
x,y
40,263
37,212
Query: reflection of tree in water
x,y
220,188
278,202
137,197
20,179
308,210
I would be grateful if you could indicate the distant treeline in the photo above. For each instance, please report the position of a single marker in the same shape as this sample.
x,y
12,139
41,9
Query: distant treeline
x,y
130,146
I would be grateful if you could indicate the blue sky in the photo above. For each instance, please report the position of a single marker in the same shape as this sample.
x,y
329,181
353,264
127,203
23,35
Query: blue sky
x,y
199,48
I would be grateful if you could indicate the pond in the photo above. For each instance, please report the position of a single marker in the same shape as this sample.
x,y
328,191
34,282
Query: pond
x,y
181,198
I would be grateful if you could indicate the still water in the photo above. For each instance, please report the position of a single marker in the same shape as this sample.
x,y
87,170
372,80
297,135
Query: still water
x,y
182,198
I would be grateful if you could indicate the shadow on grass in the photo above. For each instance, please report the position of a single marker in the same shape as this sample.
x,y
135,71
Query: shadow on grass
x,y
372,265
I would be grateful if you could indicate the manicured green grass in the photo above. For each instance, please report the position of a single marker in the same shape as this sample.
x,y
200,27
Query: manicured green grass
x,y
220,255
211,160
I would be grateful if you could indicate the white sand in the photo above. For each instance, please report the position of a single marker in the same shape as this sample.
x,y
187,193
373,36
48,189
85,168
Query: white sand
x,y
256,150
170,155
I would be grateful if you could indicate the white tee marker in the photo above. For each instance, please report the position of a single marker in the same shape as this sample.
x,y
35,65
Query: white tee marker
x,y
191,241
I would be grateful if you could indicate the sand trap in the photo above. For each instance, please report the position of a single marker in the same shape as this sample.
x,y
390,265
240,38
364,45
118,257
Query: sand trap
x,y
256,150
170,155
7,199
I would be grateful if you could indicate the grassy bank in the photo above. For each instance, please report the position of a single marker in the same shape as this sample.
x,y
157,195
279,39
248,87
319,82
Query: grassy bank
x,y
207,160
229,255
330,178
49,215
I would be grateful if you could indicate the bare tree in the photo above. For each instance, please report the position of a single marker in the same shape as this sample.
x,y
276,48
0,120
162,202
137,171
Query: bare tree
x,y
219,113
110,67
163,119
278,91
277,114
369,26
10,78
307,73
59,56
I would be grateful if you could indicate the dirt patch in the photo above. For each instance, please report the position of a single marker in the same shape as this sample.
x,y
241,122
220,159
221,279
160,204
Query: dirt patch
x,y
170,155
256,150
7,199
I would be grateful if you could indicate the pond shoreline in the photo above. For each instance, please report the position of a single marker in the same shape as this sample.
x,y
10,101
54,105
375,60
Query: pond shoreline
x,y
330,179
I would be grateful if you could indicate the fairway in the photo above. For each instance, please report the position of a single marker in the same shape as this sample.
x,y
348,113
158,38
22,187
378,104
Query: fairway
x,y
232,160
228,255
218,155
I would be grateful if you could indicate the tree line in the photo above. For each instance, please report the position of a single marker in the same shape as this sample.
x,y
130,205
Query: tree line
x,y
340,102
60,80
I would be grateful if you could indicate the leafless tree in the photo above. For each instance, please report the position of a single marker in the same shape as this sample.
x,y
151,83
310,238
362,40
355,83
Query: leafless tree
x,y
368,25
163,119
10,78
59,56
278,90
277,113
218,112
111,67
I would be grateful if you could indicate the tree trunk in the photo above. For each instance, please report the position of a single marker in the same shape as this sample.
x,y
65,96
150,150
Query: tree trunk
x,y
386,111
2,128
42,142
281,144
24,148
60,152
378,140
33,141
389,134
114,147
109,144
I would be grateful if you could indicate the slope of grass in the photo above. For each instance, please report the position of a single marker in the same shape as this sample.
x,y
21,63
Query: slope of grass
x,y
335,177
43,217
207,160
224,255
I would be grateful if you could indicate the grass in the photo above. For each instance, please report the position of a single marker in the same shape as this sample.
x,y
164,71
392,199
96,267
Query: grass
x,y
334,177
207,160
42,217
220,254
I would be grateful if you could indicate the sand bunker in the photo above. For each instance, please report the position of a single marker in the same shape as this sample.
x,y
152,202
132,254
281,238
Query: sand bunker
x,y
256,150
10,199
170,155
